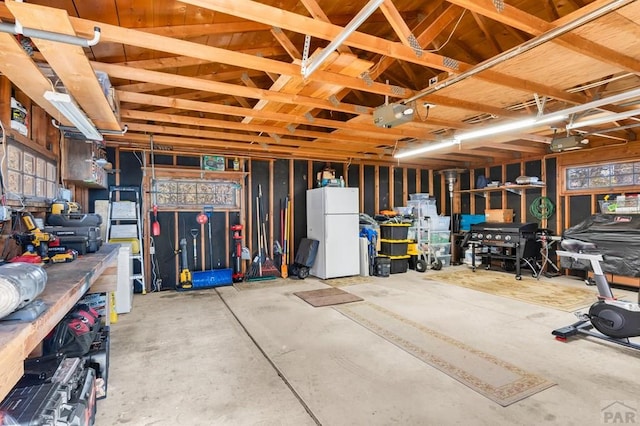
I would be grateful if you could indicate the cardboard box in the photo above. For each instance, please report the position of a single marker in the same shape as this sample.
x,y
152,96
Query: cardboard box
x,y
499,215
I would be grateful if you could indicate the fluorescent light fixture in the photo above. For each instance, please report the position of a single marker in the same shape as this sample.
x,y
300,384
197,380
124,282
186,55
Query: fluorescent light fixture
x,y
600,119
509,127
487,131
309,68
65,104
427,148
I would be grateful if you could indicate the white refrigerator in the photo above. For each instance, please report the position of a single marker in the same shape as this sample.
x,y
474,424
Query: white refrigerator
x,y
332,219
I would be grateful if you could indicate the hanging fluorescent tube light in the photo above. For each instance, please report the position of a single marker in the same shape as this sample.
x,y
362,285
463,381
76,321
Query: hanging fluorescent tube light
x,y
309,68
488,131
427,148
509,127
607,118
67,107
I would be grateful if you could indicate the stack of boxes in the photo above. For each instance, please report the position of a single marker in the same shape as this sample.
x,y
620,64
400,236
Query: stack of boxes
x,y
394,245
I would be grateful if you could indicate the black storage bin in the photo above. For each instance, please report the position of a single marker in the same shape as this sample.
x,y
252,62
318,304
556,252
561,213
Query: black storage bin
x,y
394,231
382,266
394,247
399,264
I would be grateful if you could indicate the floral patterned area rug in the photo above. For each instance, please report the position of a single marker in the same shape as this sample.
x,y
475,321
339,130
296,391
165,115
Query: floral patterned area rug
x,y
486,374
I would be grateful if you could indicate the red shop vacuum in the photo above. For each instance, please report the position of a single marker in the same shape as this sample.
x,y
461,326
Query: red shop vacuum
x,y
237,275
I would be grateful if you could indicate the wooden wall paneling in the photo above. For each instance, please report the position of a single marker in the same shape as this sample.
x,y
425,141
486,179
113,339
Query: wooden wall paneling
x,y
311,173
418,183
5,102
376,185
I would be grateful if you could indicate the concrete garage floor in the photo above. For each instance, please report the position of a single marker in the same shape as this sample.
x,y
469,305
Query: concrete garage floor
x,y
186,359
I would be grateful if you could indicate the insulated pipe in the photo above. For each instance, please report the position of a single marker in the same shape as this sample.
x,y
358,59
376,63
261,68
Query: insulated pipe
x,y
20,283
49,35
309,68
524,47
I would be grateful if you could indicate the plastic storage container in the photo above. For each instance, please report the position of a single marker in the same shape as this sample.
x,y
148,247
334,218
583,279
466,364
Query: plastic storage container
x,y
382,266
419,197
394,231
212,278
398,264
394,247
446,260
466,220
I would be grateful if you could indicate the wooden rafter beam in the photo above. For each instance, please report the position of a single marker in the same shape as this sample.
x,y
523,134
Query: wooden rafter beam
x,y
18,67
199,30
257,128
487,34
399,26
366,128
69,61
255,11
120,71
533,25
282,151
314,10
223,76
286,43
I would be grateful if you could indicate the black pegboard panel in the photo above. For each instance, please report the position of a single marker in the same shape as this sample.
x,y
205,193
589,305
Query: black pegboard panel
x,y
579,208
167,260
411,181
354,176
300,182
512,172
424,181
188,161
397,187
369,189
551,181
161,159
259,179
280,193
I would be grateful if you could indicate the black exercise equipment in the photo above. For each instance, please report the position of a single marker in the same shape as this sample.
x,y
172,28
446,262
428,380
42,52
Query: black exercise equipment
x,y
615,320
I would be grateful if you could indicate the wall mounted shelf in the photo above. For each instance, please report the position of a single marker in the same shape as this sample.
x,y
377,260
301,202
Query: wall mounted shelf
x,y
516,189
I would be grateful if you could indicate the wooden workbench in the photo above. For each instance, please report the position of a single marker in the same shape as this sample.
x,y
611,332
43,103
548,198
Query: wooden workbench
x,y
66,283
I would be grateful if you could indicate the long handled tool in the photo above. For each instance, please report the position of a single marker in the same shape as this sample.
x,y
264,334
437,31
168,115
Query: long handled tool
x,y
186,281
208,210
284,270
194,234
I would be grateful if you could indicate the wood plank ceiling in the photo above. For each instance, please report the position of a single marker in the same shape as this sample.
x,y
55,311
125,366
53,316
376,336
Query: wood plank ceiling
x,y
225,75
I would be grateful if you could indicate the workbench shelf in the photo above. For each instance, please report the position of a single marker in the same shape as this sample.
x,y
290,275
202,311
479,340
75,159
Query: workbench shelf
x,y
515,189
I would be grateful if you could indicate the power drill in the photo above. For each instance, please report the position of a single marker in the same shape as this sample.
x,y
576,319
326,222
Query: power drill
x,y
34,237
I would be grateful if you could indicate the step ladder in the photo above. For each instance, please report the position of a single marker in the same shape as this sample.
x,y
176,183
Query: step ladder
x,y
124,224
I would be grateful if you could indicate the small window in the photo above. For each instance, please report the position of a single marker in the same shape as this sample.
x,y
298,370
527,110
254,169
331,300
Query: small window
x,y
603,176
